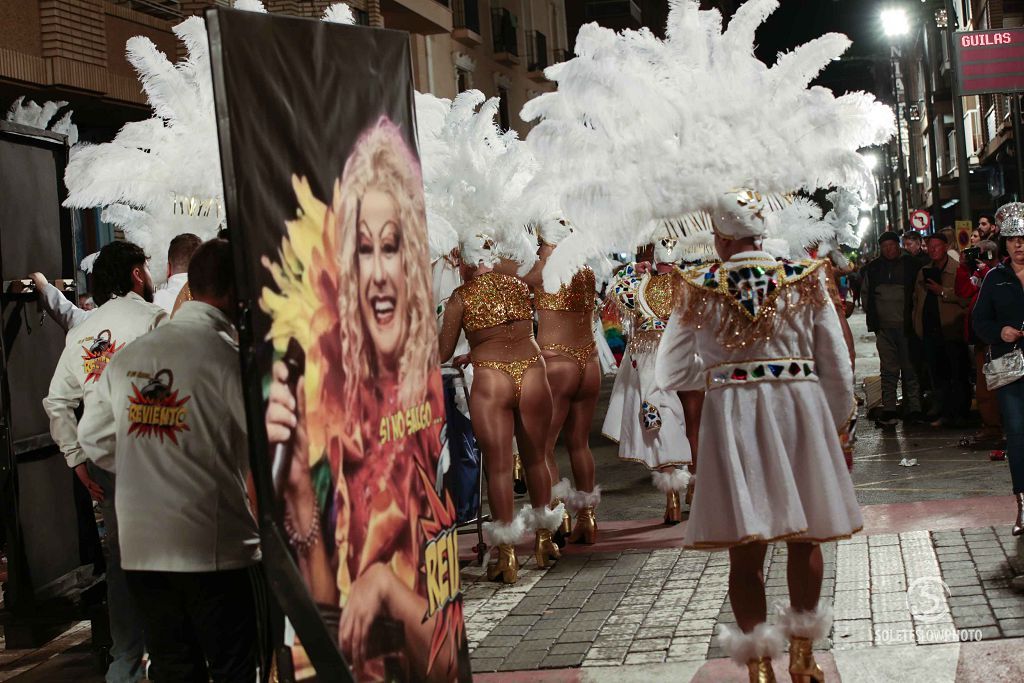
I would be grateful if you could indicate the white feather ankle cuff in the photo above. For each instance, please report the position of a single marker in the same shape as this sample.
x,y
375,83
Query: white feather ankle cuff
x,y
740,647
582,499
814,625
563,490
497,533
676,480
545,518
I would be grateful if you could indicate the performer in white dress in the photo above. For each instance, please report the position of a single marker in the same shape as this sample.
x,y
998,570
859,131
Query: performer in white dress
x,y
648,422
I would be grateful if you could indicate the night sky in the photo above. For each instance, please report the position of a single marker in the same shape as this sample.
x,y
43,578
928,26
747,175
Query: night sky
x,y
798,21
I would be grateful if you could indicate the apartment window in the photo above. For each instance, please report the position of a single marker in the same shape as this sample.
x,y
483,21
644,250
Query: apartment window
x,y
503,113
463,80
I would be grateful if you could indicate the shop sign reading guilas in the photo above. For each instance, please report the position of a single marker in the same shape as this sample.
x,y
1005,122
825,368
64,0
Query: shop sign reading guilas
x,y
990,61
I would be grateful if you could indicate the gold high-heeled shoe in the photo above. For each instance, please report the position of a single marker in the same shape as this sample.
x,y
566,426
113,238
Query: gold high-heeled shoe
x,y
519,476
545,549
673,511
689,489
585,530
507,567
802,667
760,670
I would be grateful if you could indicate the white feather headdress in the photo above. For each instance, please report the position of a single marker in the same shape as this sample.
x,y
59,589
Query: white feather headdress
x,y
474,177
680,125
161,177
41,116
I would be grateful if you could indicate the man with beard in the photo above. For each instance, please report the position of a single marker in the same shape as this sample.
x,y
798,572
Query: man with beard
x,y
121,269
988,228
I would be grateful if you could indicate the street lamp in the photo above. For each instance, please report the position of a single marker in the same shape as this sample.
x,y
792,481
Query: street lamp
x,y
895,22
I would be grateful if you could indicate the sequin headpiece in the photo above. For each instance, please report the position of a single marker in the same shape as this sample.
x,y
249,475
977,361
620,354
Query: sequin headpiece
x,y
668,127
1010,219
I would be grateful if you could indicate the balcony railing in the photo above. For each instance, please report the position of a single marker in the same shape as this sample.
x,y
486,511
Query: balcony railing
x,y
161,9
466,14
536,51
504,28
991,127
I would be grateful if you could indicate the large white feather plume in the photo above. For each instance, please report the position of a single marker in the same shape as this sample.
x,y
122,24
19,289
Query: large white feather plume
x,y
474,176
671,127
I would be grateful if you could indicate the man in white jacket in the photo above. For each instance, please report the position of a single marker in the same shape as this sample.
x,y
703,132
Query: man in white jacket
x,y
120,270
168,416
179,253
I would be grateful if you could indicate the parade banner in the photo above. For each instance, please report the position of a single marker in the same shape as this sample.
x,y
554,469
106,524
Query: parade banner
x,y
325,210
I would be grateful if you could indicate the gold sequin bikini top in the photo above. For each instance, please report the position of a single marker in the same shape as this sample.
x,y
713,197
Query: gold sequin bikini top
x,y
494,299
577,296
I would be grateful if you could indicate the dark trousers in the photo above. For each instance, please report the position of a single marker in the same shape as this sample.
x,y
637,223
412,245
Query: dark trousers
x,y
198,625
949,370
1011,405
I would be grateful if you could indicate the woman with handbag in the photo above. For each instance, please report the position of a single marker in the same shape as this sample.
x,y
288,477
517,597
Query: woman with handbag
x,y
999,321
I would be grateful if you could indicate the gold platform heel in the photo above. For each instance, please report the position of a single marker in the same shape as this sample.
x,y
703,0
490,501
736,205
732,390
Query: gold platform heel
x,y
519,476
802,667
585,530
545,549
673,510
506,569
689,489
760,670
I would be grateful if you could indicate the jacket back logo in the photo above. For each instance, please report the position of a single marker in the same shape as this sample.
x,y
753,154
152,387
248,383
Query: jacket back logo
x,y
156,410
96,355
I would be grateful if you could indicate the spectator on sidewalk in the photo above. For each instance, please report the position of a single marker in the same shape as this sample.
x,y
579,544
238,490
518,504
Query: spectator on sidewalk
x,y
939,319
179,253
999,321
915,247
977,263
169,416
987,228
953,247
887,292
121,272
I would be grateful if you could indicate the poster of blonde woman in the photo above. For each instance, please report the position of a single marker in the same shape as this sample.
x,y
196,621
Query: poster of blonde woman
x,y
339,348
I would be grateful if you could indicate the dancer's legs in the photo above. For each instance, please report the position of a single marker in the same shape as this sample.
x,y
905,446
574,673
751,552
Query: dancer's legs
x,y
746,585
805,568
490,407
693,404
532,422
564,380
577,426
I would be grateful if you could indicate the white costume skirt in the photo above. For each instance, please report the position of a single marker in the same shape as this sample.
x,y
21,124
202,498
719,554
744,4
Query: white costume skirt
x,y
771,468
661,448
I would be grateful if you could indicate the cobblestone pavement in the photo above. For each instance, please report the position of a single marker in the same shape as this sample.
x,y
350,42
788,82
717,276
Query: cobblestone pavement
x,y
663,605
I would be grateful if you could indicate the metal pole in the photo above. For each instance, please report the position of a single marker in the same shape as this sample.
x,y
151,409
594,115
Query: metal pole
x,y
929,96
901,161
963,168
1018,144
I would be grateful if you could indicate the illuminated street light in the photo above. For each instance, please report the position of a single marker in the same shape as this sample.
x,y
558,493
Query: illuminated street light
x,y
863,227
895,22
871,161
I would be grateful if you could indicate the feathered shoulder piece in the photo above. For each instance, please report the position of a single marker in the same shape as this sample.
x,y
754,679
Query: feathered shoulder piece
x,y
744,295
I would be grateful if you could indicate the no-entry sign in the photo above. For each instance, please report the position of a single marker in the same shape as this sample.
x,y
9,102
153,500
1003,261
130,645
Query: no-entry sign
x,y
920,220
990,61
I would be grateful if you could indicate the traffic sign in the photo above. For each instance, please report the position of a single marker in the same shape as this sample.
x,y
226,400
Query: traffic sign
x,y
920,220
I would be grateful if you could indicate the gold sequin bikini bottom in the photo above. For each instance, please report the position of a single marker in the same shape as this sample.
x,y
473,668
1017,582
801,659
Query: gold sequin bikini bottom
x,y
515,369
580,354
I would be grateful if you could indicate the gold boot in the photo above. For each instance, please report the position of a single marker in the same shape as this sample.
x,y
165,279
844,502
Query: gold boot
x,y
506,568
689,489
673,511
565,528
519,476
760,670
545,549
585,530
802,667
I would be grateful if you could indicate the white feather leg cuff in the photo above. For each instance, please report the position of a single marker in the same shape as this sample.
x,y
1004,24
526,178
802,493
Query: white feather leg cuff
x,y
544,518
676,480
563,490
740,647
497,533
814,625
583,499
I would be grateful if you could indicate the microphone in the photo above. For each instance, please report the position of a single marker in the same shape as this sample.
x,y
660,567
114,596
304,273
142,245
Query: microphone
x,y
295,360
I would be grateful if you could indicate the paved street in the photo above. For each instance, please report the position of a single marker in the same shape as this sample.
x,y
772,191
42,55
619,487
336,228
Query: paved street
x,y
931,569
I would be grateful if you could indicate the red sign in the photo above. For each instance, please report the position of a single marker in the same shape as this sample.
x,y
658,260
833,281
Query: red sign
x,y
990,61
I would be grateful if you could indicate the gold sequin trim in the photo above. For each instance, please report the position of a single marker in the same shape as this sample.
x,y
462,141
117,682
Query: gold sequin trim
x,y
736,328
792,537
659,294
580,354
644,341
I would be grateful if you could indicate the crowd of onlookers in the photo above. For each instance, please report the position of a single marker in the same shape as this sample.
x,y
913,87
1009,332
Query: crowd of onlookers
x,y
918,296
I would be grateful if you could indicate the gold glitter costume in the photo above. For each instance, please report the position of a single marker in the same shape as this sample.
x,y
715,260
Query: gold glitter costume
x,y
581,355
515,369
575,297
494,299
